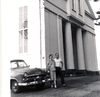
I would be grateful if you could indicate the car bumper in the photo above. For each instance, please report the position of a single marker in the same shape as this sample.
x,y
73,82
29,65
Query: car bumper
x,y
34,82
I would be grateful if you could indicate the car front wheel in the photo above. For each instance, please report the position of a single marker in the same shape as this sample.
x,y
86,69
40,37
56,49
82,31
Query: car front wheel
x,y
14,87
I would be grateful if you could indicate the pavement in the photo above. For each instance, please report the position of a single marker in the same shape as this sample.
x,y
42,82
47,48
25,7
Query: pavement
x,y
86,86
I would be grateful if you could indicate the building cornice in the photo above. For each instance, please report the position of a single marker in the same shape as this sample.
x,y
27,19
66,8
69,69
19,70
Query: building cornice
x,y
90,8
73,18
88,14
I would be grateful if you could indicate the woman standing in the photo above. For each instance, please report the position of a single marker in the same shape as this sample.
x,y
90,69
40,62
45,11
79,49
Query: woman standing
x,y
51,67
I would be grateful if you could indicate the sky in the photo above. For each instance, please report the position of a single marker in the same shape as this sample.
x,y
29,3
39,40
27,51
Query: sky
x,y
96,6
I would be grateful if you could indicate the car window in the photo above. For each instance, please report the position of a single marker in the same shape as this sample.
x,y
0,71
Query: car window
x,y
14,65
22,64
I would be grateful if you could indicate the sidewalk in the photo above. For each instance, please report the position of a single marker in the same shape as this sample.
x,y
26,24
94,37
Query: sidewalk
x,y
87,86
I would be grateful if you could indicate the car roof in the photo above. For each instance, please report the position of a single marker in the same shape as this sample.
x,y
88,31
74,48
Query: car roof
x,y
15,60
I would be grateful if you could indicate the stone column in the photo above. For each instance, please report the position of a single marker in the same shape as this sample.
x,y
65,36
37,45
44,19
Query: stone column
x,y
80,54
95,65
92,52
60,40
87,50
69,46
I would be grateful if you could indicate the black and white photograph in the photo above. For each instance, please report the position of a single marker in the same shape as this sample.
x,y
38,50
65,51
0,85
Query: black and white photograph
x,y
49,48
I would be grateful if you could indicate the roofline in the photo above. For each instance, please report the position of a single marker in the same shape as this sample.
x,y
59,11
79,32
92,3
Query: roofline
x,y
91,16
91,10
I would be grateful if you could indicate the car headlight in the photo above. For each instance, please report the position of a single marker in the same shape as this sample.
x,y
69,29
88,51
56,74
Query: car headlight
x,y
25,74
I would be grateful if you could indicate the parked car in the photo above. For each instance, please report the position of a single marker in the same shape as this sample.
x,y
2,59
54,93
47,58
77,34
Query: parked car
x,y
22,75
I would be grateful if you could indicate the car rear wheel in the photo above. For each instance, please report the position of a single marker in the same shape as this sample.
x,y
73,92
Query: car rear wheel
x,y
14,87
40,86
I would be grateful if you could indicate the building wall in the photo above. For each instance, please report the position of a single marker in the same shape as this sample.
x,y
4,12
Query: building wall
x,y
56,8
11,33
89,21
88,11
51,33
9,38
61,4
33,55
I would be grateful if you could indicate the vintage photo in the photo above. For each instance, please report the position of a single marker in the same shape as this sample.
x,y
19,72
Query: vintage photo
x,y
49,48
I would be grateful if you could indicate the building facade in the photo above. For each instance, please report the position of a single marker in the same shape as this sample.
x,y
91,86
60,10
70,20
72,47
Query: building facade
x,y
39,28
69,31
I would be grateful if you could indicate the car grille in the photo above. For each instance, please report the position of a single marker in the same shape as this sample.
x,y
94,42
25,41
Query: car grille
x,y
35,77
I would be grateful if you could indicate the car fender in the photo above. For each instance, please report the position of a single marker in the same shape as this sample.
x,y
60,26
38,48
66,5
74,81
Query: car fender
x,y
18,78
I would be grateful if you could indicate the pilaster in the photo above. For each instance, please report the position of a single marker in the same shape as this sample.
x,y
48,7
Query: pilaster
x,y
69,46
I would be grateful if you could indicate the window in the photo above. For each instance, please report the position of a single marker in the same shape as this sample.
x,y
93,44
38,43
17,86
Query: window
x,y
73,5
14,65
79,4
23,30
22,64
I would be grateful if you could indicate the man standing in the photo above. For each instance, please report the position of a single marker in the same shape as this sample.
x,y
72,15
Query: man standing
x,y
59,66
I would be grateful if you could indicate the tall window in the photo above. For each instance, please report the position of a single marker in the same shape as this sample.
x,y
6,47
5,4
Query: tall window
x,y
23,30
79,4
73,5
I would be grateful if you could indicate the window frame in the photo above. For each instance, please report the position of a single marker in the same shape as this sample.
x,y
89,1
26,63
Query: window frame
x,y
23,26
73,5
79,7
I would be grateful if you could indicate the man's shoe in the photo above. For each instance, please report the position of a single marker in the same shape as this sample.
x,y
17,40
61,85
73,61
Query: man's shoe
x,y
51,86
55,87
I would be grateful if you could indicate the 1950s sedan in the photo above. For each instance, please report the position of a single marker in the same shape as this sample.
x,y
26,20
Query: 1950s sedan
x,y
22,75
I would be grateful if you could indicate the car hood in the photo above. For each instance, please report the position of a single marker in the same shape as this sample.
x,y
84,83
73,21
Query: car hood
x,y
29,71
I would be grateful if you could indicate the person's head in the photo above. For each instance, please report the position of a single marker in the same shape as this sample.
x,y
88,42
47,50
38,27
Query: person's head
x,y
50,56
57,55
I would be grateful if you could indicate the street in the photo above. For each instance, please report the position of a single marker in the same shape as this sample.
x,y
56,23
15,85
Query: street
x,y
87,86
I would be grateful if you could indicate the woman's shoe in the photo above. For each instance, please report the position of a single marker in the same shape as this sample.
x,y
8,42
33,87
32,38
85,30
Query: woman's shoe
x,y
55,86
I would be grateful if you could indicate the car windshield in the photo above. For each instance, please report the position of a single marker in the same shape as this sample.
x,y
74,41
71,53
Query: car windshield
x,y
18,64
22,64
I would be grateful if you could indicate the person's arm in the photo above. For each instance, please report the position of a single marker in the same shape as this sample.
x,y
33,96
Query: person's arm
x,y
54,62
47,65
61,64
